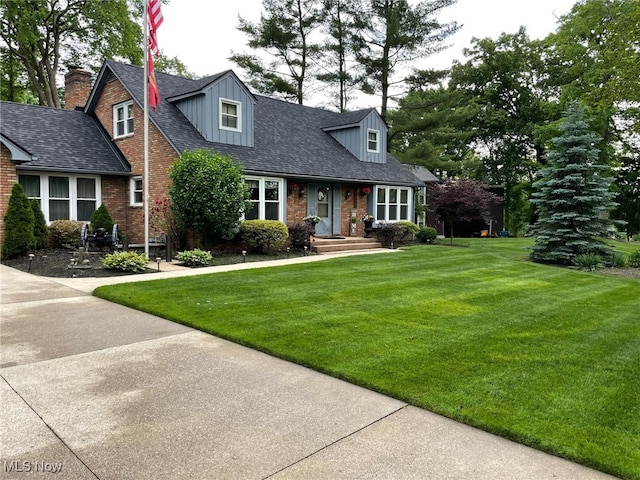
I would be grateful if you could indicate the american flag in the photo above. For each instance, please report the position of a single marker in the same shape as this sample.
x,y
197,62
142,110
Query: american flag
x,y
155,20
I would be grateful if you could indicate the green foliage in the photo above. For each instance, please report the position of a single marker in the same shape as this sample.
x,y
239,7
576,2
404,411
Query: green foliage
x,y
18,224
588,261
634,259
264,235
194,258
572,196
43,35
101,219
283,32
208,194
125,262
617,260
392,234
427,235
65,233
40,230
299,233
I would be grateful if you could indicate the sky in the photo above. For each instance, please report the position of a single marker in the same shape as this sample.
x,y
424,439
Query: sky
x,y
202,33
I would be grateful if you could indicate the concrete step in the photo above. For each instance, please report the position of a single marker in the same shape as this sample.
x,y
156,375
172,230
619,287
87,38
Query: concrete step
x,y
327,245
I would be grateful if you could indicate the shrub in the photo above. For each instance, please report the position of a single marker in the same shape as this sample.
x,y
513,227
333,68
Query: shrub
x,y
264,235
427,235
299,233
40,230
65,233
194,258
125,262
391,233
18,224
588,261
618,260
634,259
101,219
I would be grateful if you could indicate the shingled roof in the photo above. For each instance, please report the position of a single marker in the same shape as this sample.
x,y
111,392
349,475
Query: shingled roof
x,y
289,138
61,140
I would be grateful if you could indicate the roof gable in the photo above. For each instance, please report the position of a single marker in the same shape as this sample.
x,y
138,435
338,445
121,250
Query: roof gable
x,y
61,140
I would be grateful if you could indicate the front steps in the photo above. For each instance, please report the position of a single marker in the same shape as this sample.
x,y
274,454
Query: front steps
x,y
334,244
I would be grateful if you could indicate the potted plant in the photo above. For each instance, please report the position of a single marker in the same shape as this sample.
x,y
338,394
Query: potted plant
x,y
368,224
312,220
364,191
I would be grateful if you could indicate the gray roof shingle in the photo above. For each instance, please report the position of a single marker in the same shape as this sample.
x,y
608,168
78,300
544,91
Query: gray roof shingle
x,y
61,140
289,138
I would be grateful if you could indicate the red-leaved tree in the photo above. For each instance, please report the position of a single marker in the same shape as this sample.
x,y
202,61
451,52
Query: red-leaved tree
x,y
461,200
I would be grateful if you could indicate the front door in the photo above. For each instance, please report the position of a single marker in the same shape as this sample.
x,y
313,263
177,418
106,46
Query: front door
x,y
324,209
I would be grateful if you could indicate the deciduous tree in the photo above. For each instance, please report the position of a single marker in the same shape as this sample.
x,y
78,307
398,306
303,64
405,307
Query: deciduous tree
x,y
42,35
461,200
208,194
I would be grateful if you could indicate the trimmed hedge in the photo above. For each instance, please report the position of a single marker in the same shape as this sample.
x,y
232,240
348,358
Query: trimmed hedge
x,y
264,236
65,233
427,235
100,218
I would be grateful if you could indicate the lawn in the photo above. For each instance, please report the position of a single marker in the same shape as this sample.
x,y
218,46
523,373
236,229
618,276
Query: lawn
x,y
546,356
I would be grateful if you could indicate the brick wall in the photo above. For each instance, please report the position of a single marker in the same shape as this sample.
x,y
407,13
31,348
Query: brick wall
x,y
116,195
77,88
355,202
296,203
8,178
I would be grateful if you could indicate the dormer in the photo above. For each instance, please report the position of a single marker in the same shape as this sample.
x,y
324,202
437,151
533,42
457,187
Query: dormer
x,y
220,107
363,133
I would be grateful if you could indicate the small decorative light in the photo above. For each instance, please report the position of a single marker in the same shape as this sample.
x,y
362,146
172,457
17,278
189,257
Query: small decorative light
x,y
244,256
158,261
31,255
288,251
305,250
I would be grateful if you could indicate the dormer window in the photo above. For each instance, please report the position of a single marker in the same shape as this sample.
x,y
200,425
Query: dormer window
x,y
373,141
123,119
230,115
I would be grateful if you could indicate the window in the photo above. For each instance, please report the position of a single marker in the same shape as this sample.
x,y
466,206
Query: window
x,y
229,115
59,201
86,198
123,120
265,195
392,204
63,197
31,186
136,191
373,141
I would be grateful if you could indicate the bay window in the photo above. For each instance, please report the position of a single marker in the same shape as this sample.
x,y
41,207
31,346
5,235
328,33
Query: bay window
x,y
393,204
63,197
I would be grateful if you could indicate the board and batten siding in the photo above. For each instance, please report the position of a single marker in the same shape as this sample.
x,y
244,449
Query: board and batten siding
x,y
355,139
203,111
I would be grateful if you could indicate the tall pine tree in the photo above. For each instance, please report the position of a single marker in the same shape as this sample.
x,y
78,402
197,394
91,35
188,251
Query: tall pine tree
x,y
572,195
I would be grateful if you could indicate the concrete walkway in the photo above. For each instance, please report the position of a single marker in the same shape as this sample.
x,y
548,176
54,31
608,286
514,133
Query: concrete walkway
x,y
91,389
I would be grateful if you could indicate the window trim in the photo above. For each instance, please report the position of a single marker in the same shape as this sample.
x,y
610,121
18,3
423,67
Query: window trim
x,y
133,190
123,105
377,132
398,204
262,201
73,191
238,116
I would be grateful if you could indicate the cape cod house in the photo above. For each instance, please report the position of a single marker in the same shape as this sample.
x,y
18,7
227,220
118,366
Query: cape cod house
x,y
297,160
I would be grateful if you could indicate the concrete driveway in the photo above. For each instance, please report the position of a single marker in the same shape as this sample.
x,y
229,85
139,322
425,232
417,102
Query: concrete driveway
x,y
91,389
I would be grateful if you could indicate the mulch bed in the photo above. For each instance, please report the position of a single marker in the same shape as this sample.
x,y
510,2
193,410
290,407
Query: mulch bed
x,y
57,263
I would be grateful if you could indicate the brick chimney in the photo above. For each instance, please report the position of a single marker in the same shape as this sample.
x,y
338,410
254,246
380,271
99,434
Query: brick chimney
x,y
77,88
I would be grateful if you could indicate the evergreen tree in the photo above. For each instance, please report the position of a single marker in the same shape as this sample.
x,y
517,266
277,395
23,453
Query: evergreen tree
x,y
572,195
101,219
18,224
40,230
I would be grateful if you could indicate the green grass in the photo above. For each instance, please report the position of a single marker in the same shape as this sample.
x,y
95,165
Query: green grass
x,y
546,356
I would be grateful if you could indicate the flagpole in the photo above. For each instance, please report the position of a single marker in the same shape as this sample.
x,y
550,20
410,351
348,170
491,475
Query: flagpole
x,y
146,132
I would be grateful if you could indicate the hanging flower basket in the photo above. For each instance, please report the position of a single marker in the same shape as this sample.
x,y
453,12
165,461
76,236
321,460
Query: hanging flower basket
x,y
364,191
